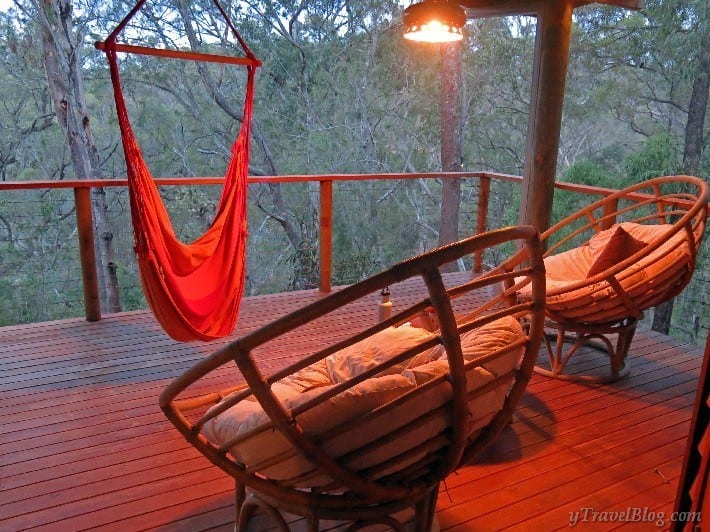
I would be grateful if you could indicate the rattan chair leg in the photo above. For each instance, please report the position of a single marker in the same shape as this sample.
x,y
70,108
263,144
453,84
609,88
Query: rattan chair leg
x,y
251,504
239,496
619,362
312,523
424,512
568,339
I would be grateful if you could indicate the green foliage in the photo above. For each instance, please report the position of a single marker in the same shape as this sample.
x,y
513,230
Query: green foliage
x,y
660,155
340,91
132,297
589,173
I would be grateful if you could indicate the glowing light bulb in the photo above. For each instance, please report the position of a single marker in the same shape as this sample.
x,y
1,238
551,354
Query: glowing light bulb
x,y
424,22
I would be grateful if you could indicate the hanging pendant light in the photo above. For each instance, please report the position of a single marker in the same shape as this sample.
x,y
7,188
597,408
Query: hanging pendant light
x,y
434,21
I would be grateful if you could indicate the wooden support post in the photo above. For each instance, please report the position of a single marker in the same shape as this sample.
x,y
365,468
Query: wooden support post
x,y
326,234
85,228
554,22
484,193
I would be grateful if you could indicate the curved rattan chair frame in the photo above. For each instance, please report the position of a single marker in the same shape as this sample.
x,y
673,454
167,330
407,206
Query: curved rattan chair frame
x,y
352,496
679,201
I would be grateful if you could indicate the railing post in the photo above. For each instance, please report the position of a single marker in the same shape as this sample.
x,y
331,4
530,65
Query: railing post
x,y
484,192
326,233
85,228
610,207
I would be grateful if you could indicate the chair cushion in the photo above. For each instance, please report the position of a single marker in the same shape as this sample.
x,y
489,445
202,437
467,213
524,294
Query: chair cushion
x,y
268,444
271,453
574,265
376,349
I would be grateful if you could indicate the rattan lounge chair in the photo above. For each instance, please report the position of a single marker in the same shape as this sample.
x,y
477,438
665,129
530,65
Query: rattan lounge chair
x,y
639,250
369,425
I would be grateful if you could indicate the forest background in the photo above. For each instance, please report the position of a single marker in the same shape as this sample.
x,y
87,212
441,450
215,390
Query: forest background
x,y
340,92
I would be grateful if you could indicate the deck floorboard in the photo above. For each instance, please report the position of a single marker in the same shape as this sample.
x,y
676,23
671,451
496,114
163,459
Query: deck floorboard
x,y
84,446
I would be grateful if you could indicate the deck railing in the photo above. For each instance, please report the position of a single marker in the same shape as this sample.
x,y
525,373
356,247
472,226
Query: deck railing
x,y
82,201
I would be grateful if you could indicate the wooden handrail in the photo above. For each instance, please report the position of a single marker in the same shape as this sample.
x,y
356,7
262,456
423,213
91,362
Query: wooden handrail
x,y
296,178
304,178
85,230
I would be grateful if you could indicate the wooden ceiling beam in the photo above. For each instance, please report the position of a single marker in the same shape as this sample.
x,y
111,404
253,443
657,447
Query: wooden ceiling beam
x,y
506,8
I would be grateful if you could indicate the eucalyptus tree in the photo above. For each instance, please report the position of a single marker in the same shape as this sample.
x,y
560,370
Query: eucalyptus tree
x,y
34,146
25,117
451,138
324,113
61,34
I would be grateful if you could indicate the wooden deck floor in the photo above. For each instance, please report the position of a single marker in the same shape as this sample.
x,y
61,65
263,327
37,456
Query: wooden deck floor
x,y
83,444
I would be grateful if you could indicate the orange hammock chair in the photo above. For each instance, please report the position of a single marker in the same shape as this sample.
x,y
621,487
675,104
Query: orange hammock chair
x,y
194,289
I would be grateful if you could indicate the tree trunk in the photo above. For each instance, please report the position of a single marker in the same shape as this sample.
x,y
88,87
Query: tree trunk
x,y
662,317
450,123
697,110
62,63
692,152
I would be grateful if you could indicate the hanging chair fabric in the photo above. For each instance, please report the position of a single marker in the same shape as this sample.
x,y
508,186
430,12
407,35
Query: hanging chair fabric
x,y
194,289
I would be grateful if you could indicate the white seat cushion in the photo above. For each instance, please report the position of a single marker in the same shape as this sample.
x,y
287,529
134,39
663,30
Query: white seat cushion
x,y
271,453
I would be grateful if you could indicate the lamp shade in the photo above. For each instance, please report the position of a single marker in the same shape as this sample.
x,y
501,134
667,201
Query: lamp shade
x,y
434,21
